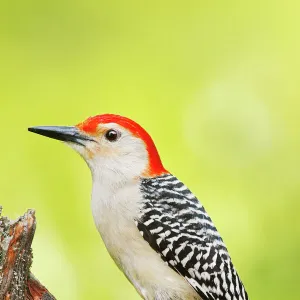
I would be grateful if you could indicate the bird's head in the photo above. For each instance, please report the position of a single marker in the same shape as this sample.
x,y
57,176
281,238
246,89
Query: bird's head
x,y
111,145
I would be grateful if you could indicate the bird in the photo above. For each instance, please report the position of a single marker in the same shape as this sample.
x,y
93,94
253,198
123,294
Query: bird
x,y
154,228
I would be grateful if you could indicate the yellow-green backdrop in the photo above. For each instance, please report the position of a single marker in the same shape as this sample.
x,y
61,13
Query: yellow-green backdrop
x,y
216,83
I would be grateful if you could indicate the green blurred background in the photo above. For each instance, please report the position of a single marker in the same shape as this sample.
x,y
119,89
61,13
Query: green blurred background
x,y
216,83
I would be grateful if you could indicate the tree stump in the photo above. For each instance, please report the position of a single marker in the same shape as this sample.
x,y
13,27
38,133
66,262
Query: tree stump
x,y
16,280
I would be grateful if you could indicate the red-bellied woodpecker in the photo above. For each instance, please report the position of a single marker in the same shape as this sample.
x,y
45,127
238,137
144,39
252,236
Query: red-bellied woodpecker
x,y
153,226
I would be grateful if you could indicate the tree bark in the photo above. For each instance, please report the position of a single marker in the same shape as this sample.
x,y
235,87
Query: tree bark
x,y
16,280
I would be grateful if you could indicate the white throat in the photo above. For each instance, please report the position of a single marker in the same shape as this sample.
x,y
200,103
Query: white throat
x,y
115,206
114,193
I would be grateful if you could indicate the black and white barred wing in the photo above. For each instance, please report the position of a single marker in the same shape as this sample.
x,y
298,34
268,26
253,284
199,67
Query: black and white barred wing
x,y
176,225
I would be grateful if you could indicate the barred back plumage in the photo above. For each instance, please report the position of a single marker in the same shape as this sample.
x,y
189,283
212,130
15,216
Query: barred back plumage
x,y
176,225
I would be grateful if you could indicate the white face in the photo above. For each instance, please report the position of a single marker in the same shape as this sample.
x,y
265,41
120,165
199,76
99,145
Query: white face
x,y
115,154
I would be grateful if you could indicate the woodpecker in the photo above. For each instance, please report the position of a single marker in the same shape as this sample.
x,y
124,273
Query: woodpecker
x,y
153,226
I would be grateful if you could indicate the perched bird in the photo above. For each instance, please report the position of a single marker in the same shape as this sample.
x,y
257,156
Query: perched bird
x,y
153,226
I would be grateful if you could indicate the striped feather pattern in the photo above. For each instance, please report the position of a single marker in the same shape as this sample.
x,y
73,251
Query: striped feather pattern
x,y
176,225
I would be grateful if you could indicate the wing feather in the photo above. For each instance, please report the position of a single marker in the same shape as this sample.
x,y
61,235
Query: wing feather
x,y
176,225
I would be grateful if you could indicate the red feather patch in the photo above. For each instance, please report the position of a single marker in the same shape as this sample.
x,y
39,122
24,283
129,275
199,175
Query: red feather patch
x,y
155,167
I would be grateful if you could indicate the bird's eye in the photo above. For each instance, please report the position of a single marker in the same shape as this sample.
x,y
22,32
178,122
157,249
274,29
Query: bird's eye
x,y
111,135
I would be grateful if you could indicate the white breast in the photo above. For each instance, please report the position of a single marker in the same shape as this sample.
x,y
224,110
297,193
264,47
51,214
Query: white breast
x,y
114,210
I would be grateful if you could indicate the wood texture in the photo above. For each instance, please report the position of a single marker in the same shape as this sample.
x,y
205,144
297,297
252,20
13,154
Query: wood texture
x,y
16,280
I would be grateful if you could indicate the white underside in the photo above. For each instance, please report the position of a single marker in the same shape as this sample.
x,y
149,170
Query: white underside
x,y
114,210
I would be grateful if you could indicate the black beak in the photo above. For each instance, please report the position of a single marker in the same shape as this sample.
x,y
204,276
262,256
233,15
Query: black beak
x,y
62,133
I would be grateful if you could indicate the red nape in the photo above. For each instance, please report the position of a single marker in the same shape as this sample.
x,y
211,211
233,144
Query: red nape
x,y
155,165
